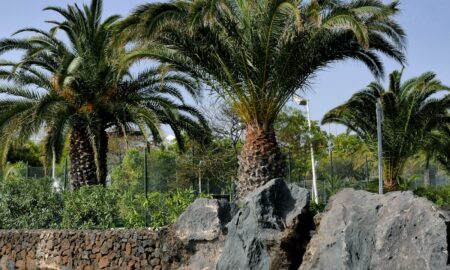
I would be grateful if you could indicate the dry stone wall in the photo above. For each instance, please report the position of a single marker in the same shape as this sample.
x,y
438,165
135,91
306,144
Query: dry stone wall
x,y
89,250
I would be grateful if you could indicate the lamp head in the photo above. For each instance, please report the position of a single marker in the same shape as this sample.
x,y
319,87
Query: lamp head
x,y
300,101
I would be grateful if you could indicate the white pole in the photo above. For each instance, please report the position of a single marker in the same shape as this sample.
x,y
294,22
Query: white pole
x,y
313,163
380,146
200,164
55,182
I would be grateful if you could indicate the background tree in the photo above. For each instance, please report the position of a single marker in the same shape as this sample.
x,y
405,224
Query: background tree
x,y
29,153
351,158
256,54
82,88
412,111
225,124
292,131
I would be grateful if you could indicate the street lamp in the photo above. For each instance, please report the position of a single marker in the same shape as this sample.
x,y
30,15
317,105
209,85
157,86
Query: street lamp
x,y
304,102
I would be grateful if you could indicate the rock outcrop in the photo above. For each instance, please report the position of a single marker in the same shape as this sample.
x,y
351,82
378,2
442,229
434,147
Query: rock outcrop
x,y
202,228
362,230
270,231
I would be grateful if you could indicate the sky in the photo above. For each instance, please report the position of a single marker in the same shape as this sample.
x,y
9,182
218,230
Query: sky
x,y
426,23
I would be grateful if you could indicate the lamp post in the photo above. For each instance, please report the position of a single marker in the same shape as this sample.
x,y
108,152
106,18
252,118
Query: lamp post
x,y
379,111
200,165
304,102
330,146
55,181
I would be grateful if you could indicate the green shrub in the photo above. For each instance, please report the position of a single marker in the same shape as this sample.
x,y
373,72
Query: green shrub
x,y
162,208
317,208
438,195
127,181
92,207
29,204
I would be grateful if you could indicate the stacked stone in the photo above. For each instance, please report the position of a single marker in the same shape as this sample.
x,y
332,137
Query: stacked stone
x,y
88,250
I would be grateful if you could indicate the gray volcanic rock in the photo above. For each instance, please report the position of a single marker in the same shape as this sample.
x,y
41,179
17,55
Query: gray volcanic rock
x,y
270,230
204,219
362,230
202,228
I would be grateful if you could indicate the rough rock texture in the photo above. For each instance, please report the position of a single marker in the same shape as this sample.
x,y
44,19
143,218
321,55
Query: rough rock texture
x,y
202,228
362,230
270,231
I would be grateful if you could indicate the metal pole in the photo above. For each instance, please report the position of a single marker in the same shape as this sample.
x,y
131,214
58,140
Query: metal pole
x,y
53,164
193,166
313,163
200,177
65,175
330,152
367,170
145,182
176,173
289,164
380,146
27,172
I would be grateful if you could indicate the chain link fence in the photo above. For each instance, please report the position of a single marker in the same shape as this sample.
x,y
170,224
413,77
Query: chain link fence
x,y
170,173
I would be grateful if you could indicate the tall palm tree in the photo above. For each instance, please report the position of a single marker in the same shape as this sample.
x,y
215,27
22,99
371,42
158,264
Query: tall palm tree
x,y
81,88
256,54
436,148
412,110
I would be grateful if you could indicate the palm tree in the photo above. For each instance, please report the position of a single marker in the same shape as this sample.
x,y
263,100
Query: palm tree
x,y
436,148
413,110
256,54
82,88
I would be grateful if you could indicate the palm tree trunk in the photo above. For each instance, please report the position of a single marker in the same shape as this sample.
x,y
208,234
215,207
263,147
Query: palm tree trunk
x,y
391,173
260,160
83,170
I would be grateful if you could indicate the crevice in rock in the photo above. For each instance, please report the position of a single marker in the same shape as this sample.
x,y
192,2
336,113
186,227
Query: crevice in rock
x,y
226,213
296,242
447,224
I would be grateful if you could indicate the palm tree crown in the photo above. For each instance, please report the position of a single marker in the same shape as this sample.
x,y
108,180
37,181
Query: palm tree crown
x,y
413,111
82,88
256,54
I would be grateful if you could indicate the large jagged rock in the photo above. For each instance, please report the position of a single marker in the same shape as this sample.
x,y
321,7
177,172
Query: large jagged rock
x,y
270,231
202,228
362,230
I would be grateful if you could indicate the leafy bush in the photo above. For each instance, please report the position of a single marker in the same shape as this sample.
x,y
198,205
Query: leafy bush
x,y
438,195
127,182
29,204
404,183
162,208
14,171
92,207
317,208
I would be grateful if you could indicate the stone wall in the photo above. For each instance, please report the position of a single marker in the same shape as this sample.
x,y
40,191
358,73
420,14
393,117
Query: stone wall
x,y
66,250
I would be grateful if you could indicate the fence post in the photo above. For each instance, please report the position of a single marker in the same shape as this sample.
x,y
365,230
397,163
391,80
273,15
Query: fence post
x,y
26,172
65,174
289,164
145,183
